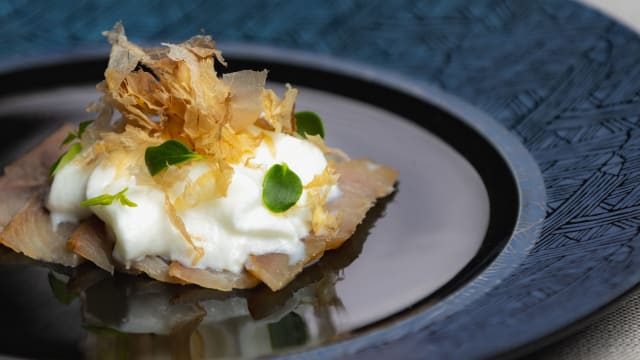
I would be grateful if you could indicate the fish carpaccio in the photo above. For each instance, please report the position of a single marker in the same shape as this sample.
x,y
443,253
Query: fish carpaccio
x,y
26,226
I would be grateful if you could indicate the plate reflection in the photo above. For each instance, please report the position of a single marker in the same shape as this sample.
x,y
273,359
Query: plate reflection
x,y
128,316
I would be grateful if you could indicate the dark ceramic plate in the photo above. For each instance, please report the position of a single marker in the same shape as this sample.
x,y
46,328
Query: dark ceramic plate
x,y
465,212
562,82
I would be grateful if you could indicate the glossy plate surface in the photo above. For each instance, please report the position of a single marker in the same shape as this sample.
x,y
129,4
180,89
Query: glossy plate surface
x,y
445,216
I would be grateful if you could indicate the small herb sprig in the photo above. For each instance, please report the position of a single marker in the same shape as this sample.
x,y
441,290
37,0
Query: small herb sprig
x,y
309,123
281,188
65,158
73,150
171,152
78,134
108,199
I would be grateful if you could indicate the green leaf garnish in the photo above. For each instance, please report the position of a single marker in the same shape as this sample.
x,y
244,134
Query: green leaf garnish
x,y
281,188
70,137
170,152
309,123
65,158
82,127
104,199
77,135
108,199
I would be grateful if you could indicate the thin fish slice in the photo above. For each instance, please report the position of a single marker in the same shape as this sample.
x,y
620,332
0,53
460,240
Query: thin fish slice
x,y
28,175
220,280
30,232
89,240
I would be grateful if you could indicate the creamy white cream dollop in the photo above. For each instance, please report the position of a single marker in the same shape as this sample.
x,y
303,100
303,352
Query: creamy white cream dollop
x,y
228,229
68,190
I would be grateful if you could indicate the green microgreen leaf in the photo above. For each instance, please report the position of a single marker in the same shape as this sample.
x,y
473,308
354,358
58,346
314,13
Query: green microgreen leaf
x,y
65,158
171,152
82,127
70,137
77,135
309,123
281,188
104,199
108,199
125,201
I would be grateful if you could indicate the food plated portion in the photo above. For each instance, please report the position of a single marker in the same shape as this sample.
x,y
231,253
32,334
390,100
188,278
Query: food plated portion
x,y
188,177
